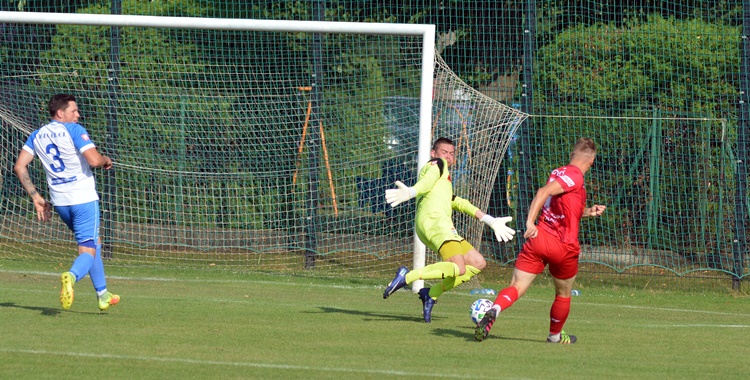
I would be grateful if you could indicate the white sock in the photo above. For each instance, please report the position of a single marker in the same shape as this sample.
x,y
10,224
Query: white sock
x,y
101,292
554,337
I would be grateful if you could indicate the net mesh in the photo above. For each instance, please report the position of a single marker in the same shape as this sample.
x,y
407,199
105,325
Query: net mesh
x,y
661,86
249,149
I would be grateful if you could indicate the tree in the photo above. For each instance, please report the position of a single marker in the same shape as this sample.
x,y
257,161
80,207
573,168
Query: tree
x,y
658,67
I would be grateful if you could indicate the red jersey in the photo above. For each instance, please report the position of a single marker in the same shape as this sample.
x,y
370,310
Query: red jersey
x,y
561,214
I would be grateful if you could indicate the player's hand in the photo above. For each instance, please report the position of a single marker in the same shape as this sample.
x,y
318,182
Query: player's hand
x,y
531,231
596,210
43,209
107,163
503,233
398,196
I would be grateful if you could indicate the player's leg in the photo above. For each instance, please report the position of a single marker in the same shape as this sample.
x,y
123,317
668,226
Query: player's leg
x,y
457,253
99,280
520,283
96,271
437,232
469,258
85,226
529,264
86,251
559,312
77,271
85,259
563,271
436,271
451,282
81,263
453,264
449,270
429,295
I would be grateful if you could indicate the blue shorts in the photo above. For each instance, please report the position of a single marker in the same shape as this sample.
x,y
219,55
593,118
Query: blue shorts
x,y
83,220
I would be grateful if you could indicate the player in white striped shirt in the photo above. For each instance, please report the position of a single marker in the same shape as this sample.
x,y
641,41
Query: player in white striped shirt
x,y
68,155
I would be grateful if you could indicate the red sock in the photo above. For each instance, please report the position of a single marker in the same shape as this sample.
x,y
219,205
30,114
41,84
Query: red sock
x,y
506,297
558,314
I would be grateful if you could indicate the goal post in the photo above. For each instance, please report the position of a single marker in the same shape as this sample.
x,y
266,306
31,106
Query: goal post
x,y
210,135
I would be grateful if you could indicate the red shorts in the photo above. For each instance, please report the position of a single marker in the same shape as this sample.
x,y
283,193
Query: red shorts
x,y
546,249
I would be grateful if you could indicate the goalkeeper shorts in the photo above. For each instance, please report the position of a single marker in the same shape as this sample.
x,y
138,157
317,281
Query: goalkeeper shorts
x,y
454,248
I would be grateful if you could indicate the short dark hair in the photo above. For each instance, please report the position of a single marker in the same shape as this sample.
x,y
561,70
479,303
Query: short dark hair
x,y
442,140
59,102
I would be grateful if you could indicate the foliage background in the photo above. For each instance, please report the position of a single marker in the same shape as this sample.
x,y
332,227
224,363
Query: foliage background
x,y
658,85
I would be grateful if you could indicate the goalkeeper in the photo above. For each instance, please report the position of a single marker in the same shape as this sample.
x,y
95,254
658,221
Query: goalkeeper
x,y
434,226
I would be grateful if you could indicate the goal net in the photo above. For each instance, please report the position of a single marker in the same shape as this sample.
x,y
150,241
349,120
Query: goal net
x,y
241,144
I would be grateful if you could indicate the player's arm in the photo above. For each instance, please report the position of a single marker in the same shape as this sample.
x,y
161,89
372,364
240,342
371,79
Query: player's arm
x,y
503,233
403,193
430,177
21,168
548,190
88,150
499,226
96,159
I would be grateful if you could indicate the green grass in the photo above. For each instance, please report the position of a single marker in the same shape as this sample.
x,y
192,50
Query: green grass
x,y
218,324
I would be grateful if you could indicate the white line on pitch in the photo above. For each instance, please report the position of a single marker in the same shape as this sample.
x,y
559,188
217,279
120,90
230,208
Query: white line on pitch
x,y
528,299
576,302
668,309
246,364
167,279
699,325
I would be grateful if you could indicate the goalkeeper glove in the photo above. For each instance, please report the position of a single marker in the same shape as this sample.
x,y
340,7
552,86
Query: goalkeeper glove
x,y
397,196
503,233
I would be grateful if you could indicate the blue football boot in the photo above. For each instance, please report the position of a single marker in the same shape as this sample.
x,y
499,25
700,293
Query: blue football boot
x,y
397,283
427,304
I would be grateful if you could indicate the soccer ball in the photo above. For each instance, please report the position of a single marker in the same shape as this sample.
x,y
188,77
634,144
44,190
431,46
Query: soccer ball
x,y
478,308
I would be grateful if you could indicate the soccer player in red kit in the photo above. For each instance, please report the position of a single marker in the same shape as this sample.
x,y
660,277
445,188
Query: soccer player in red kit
x,y
553,241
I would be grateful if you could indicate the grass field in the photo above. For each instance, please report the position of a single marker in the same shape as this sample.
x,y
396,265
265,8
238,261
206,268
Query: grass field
x,y
218,324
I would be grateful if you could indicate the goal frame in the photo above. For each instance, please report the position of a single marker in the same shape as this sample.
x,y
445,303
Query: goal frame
x,y
426,31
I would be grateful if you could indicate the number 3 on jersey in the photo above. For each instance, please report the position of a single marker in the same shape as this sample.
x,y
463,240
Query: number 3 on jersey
x,y
52,150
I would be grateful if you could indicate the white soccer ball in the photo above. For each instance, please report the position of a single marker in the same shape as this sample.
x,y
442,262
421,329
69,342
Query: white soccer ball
x,y
478,308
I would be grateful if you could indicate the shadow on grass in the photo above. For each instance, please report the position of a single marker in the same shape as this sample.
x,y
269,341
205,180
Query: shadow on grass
x,y
441,332
468,334
48,311
44,310
462,332
370,316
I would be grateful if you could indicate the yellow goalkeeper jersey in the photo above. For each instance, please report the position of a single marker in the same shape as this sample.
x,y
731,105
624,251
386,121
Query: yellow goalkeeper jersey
x,y
435,205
